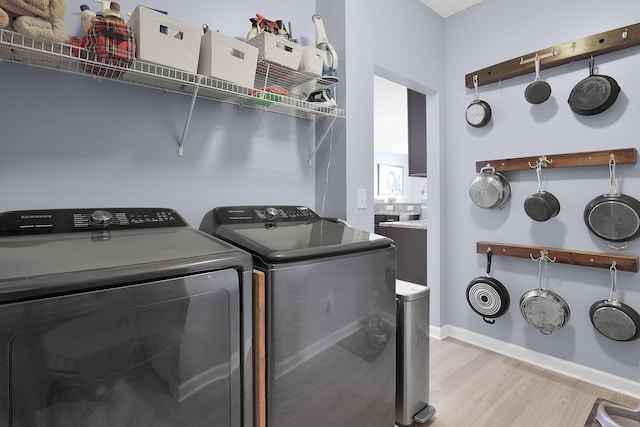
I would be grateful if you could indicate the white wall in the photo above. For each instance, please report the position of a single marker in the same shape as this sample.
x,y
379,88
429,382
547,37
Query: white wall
x,y
489,33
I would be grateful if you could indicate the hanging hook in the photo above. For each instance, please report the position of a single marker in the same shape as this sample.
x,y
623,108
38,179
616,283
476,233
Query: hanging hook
x,y
542,162
544,256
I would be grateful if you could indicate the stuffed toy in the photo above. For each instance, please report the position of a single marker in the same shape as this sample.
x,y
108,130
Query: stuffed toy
x,y
40,20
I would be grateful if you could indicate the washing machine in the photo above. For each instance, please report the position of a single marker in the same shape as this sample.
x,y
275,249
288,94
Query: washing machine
x,y
122,317
330,314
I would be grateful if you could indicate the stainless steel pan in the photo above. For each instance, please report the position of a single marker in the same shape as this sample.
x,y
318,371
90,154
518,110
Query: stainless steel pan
x,y
541,308
490,189
613,217
614,319
478,113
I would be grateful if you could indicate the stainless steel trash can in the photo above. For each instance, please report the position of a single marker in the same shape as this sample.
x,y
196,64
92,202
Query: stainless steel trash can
x,y
412,354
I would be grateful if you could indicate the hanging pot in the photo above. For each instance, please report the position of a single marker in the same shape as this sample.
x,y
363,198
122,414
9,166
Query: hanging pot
x,y
614,319
613,217
538,91
487,296
490,189
542,205
594,94
478,112
541,308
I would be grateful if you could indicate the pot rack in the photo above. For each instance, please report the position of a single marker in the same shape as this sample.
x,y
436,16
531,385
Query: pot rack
x,y
587,158
563,256
596,44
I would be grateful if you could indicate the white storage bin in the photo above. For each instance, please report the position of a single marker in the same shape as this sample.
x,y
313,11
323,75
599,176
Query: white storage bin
x,y
226,58
164,40
277,49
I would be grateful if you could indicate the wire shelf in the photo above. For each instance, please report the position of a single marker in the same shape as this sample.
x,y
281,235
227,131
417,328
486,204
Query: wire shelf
x,y
15,47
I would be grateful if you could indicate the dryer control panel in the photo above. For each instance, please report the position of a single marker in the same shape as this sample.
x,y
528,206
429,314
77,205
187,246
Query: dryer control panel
x,y
55,221
262,214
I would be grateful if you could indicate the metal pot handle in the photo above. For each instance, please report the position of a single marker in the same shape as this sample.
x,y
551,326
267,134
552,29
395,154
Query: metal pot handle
x,y
488,168
618,248
612,175
537,68
613,298
475,85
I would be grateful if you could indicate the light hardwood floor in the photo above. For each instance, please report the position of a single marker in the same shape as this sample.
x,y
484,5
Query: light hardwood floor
x,y
473,387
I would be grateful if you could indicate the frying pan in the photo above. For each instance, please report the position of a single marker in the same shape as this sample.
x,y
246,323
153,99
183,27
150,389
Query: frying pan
x,y
613,217
594,94
490,189
614,319
478,112
538,91
487,296
542,205
541,308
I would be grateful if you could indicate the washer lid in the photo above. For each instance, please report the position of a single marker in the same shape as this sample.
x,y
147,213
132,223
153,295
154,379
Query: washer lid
x,y
38,264
284,233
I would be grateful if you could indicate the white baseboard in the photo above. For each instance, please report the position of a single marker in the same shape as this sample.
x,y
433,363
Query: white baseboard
x,y
551,363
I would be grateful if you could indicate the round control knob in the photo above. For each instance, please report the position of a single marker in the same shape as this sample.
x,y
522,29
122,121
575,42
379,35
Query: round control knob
x,y
272,212
101,217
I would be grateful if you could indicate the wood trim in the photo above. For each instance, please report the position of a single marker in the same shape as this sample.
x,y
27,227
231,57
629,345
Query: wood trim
x,y
594,45
259,340
567,160
563,256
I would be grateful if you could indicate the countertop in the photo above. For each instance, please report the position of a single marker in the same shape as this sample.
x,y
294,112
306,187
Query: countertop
x,y
420,224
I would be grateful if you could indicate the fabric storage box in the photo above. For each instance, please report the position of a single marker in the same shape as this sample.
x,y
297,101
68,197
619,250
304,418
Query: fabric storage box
x,y
164,40
111,44
226,58
277,49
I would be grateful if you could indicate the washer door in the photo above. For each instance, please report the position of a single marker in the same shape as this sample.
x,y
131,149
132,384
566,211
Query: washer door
x,y
135,355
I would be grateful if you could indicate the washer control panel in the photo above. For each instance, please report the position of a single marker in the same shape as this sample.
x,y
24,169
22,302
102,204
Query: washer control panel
x,y
262,214
15,223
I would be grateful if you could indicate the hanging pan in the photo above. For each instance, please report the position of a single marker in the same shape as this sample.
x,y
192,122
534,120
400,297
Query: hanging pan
x,y
594,94
538,91
613,217
478,112
614,319
490,189
542,205
541,308
487,296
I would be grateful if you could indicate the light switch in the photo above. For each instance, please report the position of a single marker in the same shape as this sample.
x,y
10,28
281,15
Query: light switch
x,y
362,198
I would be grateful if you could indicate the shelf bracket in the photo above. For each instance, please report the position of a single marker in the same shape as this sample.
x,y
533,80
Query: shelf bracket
x,y
186,125
324,136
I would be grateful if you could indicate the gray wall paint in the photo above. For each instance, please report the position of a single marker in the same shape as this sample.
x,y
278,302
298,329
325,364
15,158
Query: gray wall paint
x,y
76,141
495,31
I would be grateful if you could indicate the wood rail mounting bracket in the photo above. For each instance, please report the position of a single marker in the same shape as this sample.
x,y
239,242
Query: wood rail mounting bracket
x,y
563,256
597,44
587,158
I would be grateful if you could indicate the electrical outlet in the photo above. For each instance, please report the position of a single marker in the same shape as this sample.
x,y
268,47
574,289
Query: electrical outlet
x,y
362,198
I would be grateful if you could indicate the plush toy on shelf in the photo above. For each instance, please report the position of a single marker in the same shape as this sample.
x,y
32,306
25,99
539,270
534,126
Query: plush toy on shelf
x,y
41,20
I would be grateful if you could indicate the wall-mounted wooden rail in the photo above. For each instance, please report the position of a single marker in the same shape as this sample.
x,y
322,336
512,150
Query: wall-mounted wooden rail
x,y
568,160
564,256
597,44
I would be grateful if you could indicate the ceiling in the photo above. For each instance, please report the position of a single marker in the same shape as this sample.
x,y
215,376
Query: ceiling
x,y
447,8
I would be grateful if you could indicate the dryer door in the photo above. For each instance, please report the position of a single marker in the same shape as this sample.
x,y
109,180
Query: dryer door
x,y
154,354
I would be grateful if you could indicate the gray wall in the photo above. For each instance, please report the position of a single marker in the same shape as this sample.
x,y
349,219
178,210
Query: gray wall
x,y
495,31
77,141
